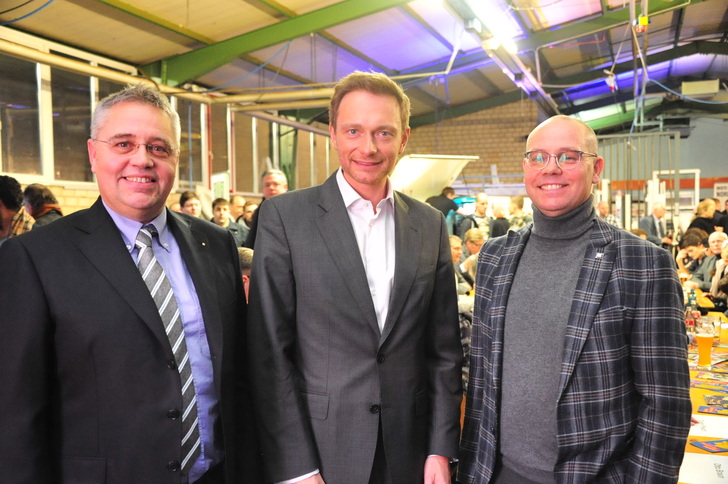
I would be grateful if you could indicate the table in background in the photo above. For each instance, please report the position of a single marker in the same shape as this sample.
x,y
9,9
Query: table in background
x,y
700,466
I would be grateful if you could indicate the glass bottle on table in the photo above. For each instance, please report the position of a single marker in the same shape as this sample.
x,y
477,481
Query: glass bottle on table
x,y
692,313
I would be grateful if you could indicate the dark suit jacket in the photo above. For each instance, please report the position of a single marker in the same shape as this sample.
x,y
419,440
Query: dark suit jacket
x,y
323,374
623,410
86,382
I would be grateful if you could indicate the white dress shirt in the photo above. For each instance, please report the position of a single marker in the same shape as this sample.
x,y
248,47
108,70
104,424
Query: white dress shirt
x,y
374,232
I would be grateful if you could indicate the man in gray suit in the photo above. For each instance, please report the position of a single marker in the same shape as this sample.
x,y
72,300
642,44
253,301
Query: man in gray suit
x,y
355,346
657,232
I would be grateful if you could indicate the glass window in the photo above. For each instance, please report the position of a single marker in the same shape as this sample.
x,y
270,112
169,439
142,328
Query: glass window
x,y
243,136
325,160
71,98
218,138
19,121
190,156
107,87
294,153
264,134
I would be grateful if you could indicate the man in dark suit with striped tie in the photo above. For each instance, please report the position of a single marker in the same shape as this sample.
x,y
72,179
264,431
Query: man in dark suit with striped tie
x,y
123,326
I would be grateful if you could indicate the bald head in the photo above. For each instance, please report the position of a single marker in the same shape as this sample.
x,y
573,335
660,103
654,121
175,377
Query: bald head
x,y
481,204
603,208
586,134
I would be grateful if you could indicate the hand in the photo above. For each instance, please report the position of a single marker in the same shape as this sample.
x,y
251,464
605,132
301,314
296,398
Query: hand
x,y
468,263
437,470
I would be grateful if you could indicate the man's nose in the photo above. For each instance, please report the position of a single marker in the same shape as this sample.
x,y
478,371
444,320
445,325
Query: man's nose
x,y
368,144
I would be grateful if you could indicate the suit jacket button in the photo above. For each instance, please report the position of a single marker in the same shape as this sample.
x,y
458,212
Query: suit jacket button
x,y
173,466
173,414
374,409
380,359
172,365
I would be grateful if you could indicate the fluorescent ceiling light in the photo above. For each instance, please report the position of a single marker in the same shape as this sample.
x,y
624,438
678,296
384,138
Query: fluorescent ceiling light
x,y
497,19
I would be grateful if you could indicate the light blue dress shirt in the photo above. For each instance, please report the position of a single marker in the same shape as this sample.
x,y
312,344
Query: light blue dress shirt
x,y
168,254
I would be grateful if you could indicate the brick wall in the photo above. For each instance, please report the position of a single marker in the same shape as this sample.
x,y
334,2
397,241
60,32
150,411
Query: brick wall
x,y
497,136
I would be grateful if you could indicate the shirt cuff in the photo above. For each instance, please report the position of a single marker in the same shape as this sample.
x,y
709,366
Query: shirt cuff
x,y
298,479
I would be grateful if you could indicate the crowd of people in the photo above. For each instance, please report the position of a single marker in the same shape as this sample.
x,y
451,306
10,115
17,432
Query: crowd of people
x,y
142,344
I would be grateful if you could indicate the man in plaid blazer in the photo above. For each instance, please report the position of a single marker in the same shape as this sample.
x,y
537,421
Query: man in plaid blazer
x,y
578,369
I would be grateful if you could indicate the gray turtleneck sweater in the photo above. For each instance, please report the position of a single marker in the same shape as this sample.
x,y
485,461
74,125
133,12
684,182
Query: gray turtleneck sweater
x,y
535,327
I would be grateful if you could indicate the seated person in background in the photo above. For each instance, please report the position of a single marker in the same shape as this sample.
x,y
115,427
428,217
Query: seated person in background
x,y
190,203
716,241
655,227
14,219
175,207
41,204
473,241
703,218
684,262
703,263
456,249
639,233
719,284
246,264
500,223
221,217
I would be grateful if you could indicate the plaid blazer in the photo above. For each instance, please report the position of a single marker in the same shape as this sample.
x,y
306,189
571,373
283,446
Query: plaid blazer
x,y
624,406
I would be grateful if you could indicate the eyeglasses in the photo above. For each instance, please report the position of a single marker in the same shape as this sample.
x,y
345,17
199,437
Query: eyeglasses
x,y
123,147
565,160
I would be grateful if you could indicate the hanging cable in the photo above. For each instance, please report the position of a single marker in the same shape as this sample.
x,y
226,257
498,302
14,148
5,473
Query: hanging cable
x,y
251,72
8,22
16,7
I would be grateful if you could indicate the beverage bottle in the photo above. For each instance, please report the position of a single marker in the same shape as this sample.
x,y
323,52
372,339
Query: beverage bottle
x,y
690,312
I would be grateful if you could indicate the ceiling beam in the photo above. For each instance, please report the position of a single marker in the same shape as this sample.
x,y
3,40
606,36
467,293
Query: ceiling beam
x,y
178,69
190,34
284,12
699,47
609,20
689,106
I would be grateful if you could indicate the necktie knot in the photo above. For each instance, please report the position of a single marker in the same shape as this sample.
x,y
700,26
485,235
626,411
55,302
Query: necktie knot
x,y
145,235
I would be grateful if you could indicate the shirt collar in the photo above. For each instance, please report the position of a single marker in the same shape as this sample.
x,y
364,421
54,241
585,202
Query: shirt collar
x,y
130,228
350,195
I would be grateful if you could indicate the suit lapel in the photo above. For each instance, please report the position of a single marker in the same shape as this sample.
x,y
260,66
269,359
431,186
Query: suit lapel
x,y
101,243
195,251
335,228
408,244
593,278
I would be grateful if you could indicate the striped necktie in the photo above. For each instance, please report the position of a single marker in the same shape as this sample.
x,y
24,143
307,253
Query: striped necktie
x,y
161,290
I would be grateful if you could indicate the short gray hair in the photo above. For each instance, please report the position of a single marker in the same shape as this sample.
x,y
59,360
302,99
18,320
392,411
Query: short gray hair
x,y
141,93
